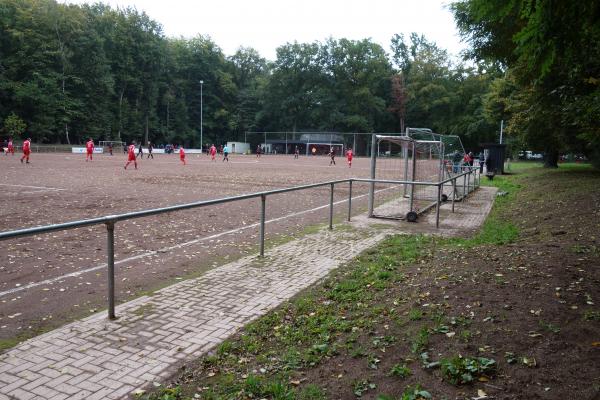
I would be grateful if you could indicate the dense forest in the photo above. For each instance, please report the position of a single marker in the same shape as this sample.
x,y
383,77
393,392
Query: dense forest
x,y
68,72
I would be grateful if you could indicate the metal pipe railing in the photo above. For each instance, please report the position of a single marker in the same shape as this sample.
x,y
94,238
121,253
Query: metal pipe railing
x,y
331,208
111,220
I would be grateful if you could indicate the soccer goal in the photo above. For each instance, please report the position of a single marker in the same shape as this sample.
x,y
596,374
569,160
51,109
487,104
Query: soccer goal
x,y
117,145
325,148
420,160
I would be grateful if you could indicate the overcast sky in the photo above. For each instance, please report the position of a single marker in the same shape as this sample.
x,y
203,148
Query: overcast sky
x,y
267,24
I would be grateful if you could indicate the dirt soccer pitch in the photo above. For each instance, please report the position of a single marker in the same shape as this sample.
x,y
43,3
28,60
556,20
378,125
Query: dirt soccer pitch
x,y
51,278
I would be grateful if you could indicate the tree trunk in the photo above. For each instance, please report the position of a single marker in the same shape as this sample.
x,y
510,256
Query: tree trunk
x,y
168,112
63,84
551,158
146,132
120,113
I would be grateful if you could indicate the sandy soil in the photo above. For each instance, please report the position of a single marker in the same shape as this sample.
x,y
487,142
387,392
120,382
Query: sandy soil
x,y
36,291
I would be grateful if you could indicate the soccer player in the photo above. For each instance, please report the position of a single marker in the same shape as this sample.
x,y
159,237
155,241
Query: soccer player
x,y
140,152
296,152
349,157
182,155
110,149
131,157
332,156
314,151
213,152
225,153
10,147
89,148
26,150
150,148
258,151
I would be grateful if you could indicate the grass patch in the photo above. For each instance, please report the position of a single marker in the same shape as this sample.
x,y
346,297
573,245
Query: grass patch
x,y
590,315
461,370
400,371
140,311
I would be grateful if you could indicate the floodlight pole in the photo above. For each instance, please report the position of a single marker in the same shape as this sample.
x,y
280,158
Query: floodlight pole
x,y
201,112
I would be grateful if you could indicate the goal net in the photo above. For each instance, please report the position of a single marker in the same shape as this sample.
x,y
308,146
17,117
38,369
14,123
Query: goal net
x,y
419,156
117,146
325,148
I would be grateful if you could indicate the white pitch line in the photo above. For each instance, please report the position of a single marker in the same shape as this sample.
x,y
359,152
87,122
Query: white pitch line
x,y
165,249
31,187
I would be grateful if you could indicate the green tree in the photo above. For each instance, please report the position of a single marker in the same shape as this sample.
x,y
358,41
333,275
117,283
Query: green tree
x,y
553,51
14,126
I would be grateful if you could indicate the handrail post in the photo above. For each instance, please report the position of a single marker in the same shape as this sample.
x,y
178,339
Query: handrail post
x,y
349,199
464,186
110,229
331,207
371,201
413,176
263,201
453,192
437,208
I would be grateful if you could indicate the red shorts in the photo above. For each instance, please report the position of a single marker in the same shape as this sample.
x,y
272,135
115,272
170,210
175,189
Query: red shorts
x,y
26,152
182,157
131,157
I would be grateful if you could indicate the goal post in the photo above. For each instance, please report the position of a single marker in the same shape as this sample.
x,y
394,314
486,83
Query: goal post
x,y
117,145
421,160
325,148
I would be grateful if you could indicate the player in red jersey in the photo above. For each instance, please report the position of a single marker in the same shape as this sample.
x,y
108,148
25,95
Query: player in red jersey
x,y
349,155
213,152
89,148
182,155
11,148
131,155
26,150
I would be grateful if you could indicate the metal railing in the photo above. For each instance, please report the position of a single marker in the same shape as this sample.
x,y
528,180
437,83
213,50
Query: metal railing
x,y
111,220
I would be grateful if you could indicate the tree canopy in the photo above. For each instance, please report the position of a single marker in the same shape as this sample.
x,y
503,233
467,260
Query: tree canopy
x,y
551,53
71,72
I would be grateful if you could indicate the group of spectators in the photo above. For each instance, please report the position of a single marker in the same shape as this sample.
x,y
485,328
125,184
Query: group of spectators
x,y
459,161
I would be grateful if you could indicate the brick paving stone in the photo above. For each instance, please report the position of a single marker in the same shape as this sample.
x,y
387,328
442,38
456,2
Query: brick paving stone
x,y
19,383
83,394
8,378
89,386
36,384
60,396
98,359
66,388
44,392
21,394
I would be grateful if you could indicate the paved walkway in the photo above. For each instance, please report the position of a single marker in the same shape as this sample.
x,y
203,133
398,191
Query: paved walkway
x,y
98,359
